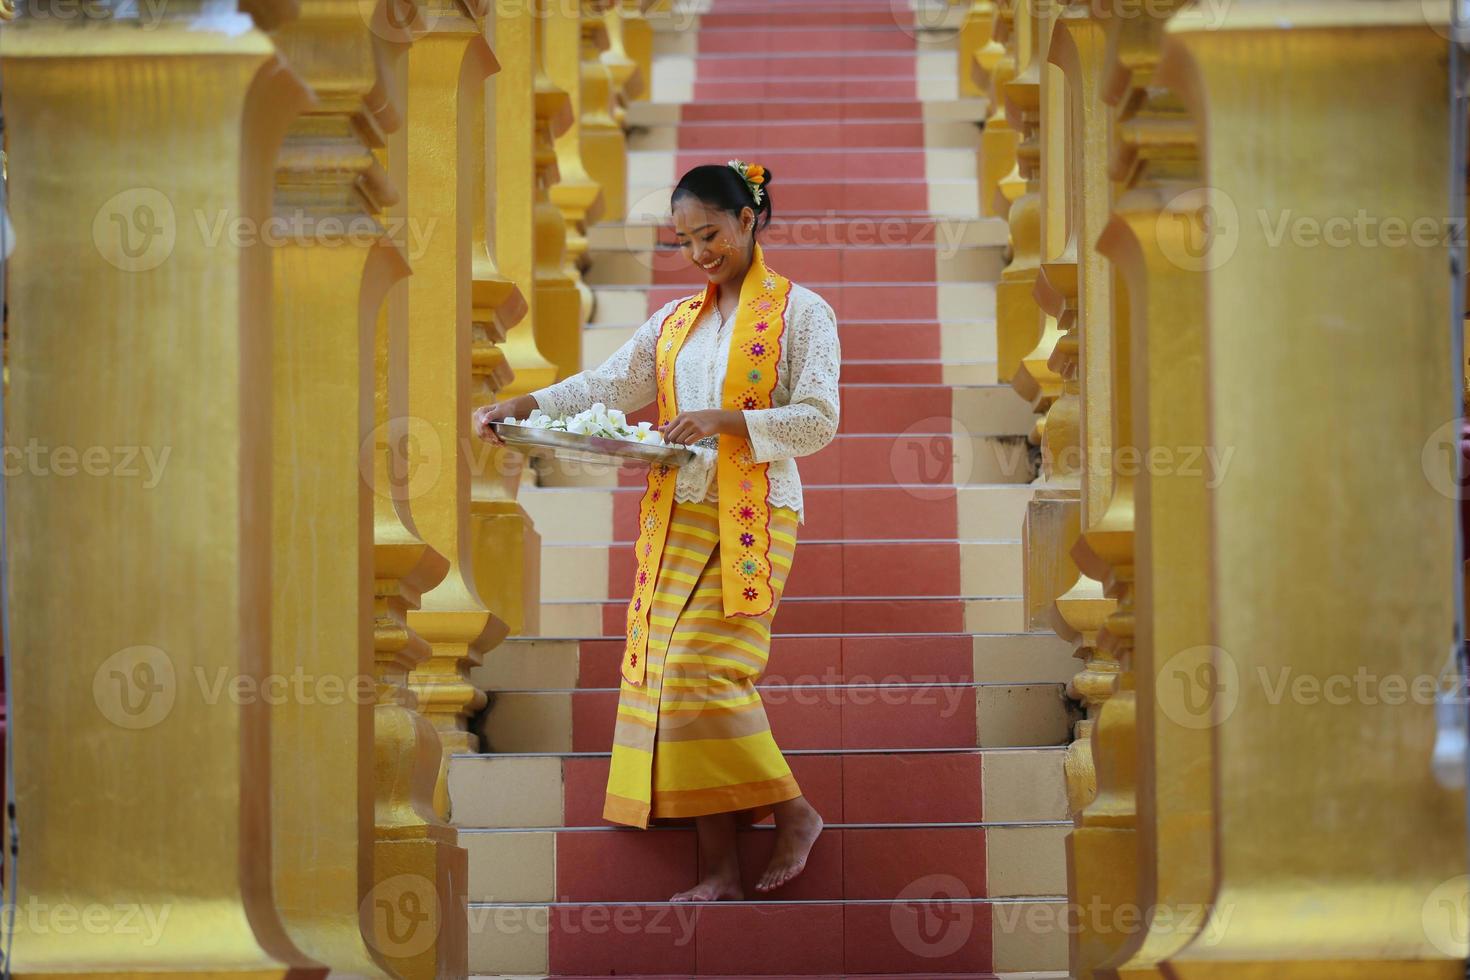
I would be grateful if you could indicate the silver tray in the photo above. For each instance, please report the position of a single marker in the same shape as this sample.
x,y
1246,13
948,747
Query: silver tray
x,y
587,449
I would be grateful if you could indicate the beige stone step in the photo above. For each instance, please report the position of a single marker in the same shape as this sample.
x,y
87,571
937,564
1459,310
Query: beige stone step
x,y
961,340
635,266
509,942
582,571
628,306
977,459
998,614
520,865
579,515
1006,715
942,134
642,115
533,663
644,233
1018,786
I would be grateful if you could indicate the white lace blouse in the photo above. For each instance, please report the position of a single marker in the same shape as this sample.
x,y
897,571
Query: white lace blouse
x,y
804,412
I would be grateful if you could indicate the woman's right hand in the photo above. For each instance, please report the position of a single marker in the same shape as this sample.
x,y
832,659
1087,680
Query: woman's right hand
x,y
516,408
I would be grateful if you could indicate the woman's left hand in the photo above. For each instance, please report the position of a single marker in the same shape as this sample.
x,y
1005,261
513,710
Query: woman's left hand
x,y
687,427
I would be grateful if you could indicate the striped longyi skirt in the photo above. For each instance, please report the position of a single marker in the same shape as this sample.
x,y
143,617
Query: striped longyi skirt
x,y
693,738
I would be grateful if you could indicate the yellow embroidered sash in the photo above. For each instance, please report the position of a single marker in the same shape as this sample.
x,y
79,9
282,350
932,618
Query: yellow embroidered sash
x,y
744,485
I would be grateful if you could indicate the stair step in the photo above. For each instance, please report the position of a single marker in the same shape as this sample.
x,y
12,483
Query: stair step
x,y
745,938
533,663
869,300
847,863
802,614
826,568
813,39
896,262
793,227
923,470
879,716
650,114
863,343
894,786
577,515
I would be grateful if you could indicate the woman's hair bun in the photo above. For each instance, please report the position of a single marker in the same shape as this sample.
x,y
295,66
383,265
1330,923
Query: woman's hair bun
x,y
722,186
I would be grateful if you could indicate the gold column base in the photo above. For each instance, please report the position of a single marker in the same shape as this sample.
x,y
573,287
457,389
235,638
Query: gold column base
x,y
507,555
417,914
458,639
1102,882
1052,517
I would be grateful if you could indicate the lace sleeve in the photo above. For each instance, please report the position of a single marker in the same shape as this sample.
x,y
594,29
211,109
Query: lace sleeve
x,y
809,420
623,381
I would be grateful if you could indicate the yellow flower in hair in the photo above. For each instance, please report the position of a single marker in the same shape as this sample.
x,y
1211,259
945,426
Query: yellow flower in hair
x,y
753,174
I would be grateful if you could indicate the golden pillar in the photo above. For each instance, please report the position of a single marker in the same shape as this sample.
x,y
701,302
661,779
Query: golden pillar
x,y
605,69
506,547
975,34
530,232
447,68
627,75
417,912
1076,289
637,38
140,581
998,140
1171,744
1328,364
571,42
1026,335
329,277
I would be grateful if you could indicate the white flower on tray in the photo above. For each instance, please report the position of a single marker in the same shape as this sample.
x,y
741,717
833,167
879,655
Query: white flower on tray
x,y
598,420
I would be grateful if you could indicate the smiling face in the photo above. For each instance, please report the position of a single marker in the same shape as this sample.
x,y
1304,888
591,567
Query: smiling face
x,y
717,241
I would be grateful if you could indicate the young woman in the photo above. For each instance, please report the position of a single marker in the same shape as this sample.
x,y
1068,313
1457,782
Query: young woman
x,y
745,374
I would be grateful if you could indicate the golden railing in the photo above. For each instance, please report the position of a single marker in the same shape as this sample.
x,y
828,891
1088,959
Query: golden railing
x,y
278,255
1245,517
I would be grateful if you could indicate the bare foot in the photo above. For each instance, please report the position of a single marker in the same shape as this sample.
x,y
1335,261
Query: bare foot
x,y
797,827
715,888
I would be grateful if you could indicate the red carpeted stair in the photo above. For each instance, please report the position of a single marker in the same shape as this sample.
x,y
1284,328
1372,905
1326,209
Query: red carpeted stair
x,y
918,715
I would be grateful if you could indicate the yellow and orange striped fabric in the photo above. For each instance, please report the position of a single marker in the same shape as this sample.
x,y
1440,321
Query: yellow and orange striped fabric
x,y
693,737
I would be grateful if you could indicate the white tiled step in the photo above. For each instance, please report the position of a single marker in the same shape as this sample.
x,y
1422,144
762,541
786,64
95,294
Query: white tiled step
x,y
1006,715
581,571
961,339
982,614
582,515
634,267
1018,785
547,663
950,231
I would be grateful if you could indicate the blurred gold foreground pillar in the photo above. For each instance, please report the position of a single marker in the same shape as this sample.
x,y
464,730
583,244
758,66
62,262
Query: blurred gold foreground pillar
x,y
530,232
446,76
1329,367
141,582
329,281
416,914
1143,733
